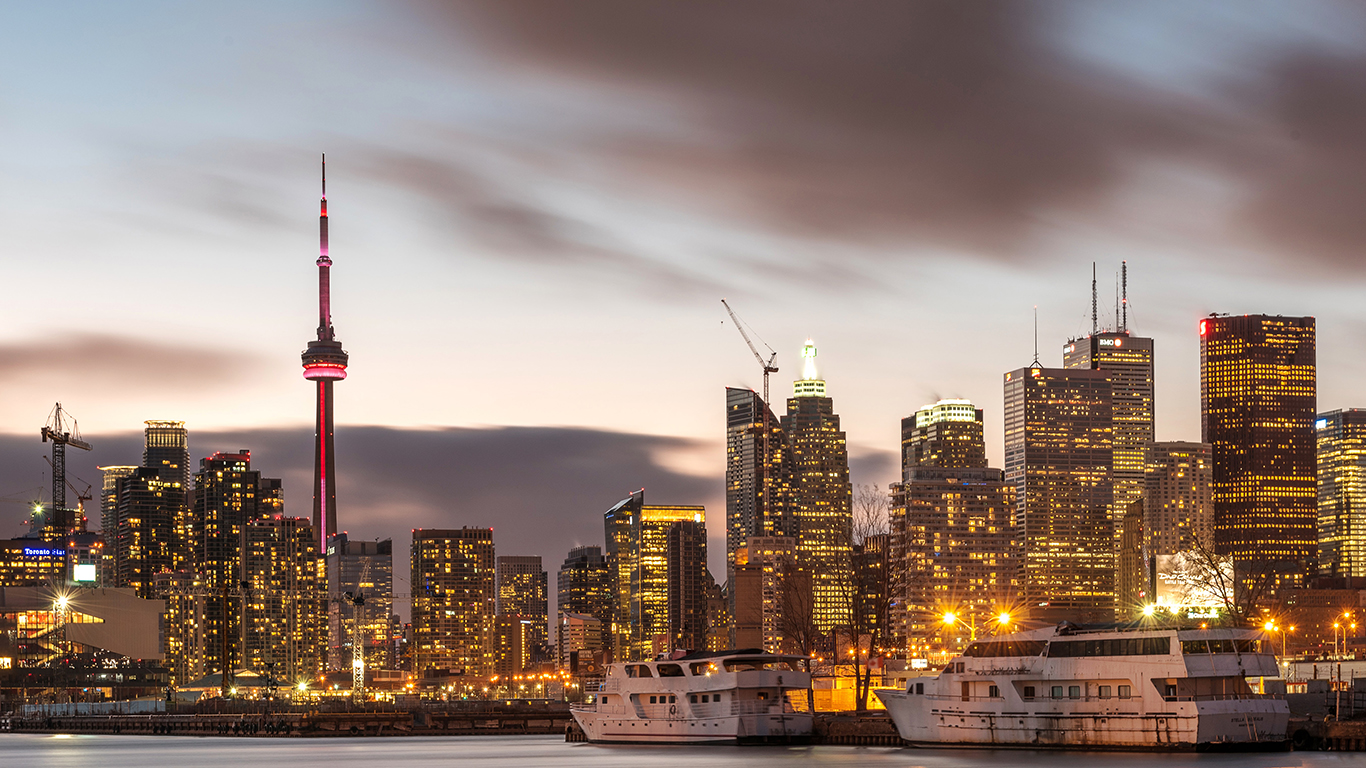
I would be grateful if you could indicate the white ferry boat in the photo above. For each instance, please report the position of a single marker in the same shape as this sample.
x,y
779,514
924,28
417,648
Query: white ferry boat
x,y
726,697
1098,688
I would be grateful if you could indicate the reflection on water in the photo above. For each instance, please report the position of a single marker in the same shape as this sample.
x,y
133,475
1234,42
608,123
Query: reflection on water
x,y
81,751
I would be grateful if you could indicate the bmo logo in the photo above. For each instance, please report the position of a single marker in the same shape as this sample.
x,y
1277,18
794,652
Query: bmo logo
x,y
1111,342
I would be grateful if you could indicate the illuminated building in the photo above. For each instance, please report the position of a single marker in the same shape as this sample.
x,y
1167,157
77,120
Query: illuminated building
x,y
718,618
872,571
31,563
1257,398
166,449
146,530
637,538
764,568
39,624
750,509
187,611
821,492
1178,509
580,636
1129,362
1058,455
454,600
109,492
324,363
1133,586
522,591
512,644
347,561
285,610
1342,492
584,585
688,580
945,434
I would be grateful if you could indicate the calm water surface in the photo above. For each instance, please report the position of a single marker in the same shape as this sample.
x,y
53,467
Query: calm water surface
x,y
22,750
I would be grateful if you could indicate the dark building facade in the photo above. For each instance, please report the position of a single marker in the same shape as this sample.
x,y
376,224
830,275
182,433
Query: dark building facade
x,y
689,580
1342,492
1258,396
1058,430
945,434
366,567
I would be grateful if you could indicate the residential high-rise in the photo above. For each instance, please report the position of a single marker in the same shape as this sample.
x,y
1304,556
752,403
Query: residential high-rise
x,y
284,614
687,583
1058,429
821,493
166,449
522,591
145,531
347,562
1258,406
1342,492
109,495
750,509
324,363
1129,362
1178,510
944,434
454,601
511,646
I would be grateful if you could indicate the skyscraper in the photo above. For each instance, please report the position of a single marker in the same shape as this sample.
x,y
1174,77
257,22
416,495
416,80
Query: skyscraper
x,y
1058,454
1178,509
109,494
454,601
1257,397
522,592
146,530
166,448
347,562
944,434
1129,362
1342,492
758,491
765,568
324,363
585,590
822,493
285,612
688,580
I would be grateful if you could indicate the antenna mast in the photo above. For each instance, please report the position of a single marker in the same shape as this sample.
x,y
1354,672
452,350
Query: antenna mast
x,y
1124,287
1094,327
1036,334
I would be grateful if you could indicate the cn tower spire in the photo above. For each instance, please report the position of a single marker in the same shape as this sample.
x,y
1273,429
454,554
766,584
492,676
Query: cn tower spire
x,y
324,363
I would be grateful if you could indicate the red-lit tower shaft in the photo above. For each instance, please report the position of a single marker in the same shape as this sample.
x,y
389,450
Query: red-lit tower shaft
x,y
324,363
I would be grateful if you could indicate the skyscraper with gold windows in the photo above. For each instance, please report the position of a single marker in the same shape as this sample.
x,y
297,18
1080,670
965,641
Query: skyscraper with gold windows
x,y
454,601
758,475
822,494
1342,492
1257,398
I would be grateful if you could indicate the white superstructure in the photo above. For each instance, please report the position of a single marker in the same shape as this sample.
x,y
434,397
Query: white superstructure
x,y
725,697
1118,688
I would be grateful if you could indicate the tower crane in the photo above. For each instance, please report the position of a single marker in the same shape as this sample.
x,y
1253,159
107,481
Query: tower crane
x,y
768,368
81,496
62,430
357,601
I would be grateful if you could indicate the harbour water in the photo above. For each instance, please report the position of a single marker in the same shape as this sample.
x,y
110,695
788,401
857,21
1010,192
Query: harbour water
x,y
22,750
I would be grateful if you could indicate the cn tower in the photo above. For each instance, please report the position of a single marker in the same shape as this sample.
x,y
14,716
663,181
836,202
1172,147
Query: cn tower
x,y
324,363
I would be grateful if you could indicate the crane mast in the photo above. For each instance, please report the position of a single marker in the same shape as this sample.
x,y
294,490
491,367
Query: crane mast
x,y
62,431
357,601
768,367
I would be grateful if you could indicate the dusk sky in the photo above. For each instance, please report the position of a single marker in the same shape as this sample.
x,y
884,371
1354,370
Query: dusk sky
x,y
537,207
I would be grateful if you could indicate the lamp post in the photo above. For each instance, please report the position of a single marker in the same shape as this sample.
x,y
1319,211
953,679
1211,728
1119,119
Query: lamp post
x,y
1001,620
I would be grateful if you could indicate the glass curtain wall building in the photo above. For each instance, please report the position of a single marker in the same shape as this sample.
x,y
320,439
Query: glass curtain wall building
x,y
1342,492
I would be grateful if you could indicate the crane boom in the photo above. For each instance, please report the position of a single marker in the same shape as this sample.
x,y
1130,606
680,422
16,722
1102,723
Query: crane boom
x,y
739,326
768,367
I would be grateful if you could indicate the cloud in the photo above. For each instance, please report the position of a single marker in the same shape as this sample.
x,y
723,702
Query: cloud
x,y
119,362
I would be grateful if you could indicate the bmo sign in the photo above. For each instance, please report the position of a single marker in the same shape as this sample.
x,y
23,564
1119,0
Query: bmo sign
x,y
1110,342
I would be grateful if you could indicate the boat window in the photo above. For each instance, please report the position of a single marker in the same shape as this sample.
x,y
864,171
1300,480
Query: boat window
x,y
1124,692
741,665
692,698
1105,691
670,670
673,699
1074,691
920,689
1221,646
701,667
1247,646
1029,691
1120,646
1057,691
763,695
716,697
1189,647
638,670
652,700
960,667
993,692
999,648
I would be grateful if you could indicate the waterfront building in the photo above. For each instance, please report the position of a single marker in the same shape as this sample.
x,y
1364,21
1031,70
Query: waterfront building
x,y
1342,492
1178,508
284,611
1258,407
872,586
522,591
146,529
454,601
1058,428
186,621
821,492
366,567
758,474
944,434
511,644
1129,362
31,563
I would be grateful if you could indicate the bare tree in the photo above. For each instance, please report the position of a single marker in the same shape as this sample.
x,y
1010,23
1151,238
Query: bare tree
x,y
1204,577
798,619
866,585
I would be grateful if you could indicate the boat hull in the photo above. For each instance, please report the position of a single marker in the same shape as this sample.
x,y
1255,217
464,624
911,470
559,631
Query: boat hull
x,y
775,728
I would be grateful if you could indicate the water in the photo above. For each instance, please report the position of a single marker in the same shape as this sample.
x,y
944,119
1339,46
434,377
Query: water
x,y
23,750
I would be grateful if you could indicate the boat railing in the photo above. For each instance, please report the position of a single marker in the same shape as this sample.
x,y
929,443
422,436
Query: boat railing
x,y
610,685
761,707
1224,697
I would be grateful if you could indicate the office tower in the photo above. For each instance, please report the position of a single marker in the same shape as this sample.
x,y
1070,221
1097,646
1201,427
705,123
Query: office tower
x,y
580,636
166,449
1257,412
1133,587
31,563
687,583
584,585
821,492
324,363
1179,510
366,567
1342,492
750,509
618,523
1129,362
944,434
764,568
522,591
511,646
146,529
454,601
284,615
1058,454
226,497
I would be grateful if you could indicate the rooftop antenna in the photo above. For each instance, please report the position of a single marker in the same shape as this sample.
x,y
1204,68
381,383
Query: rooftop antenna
x,y
1036,336
1124,287
1094,327
1117,303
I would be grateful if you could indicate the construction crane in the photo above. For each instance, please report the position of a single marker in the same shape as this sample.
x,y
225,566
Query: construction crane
x,y
357,601
62,430
768,368
81,496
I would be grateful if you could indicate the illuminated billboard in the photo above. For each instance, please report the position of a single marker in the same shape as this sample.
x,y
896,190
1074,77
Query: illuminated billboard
x,y
84,572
